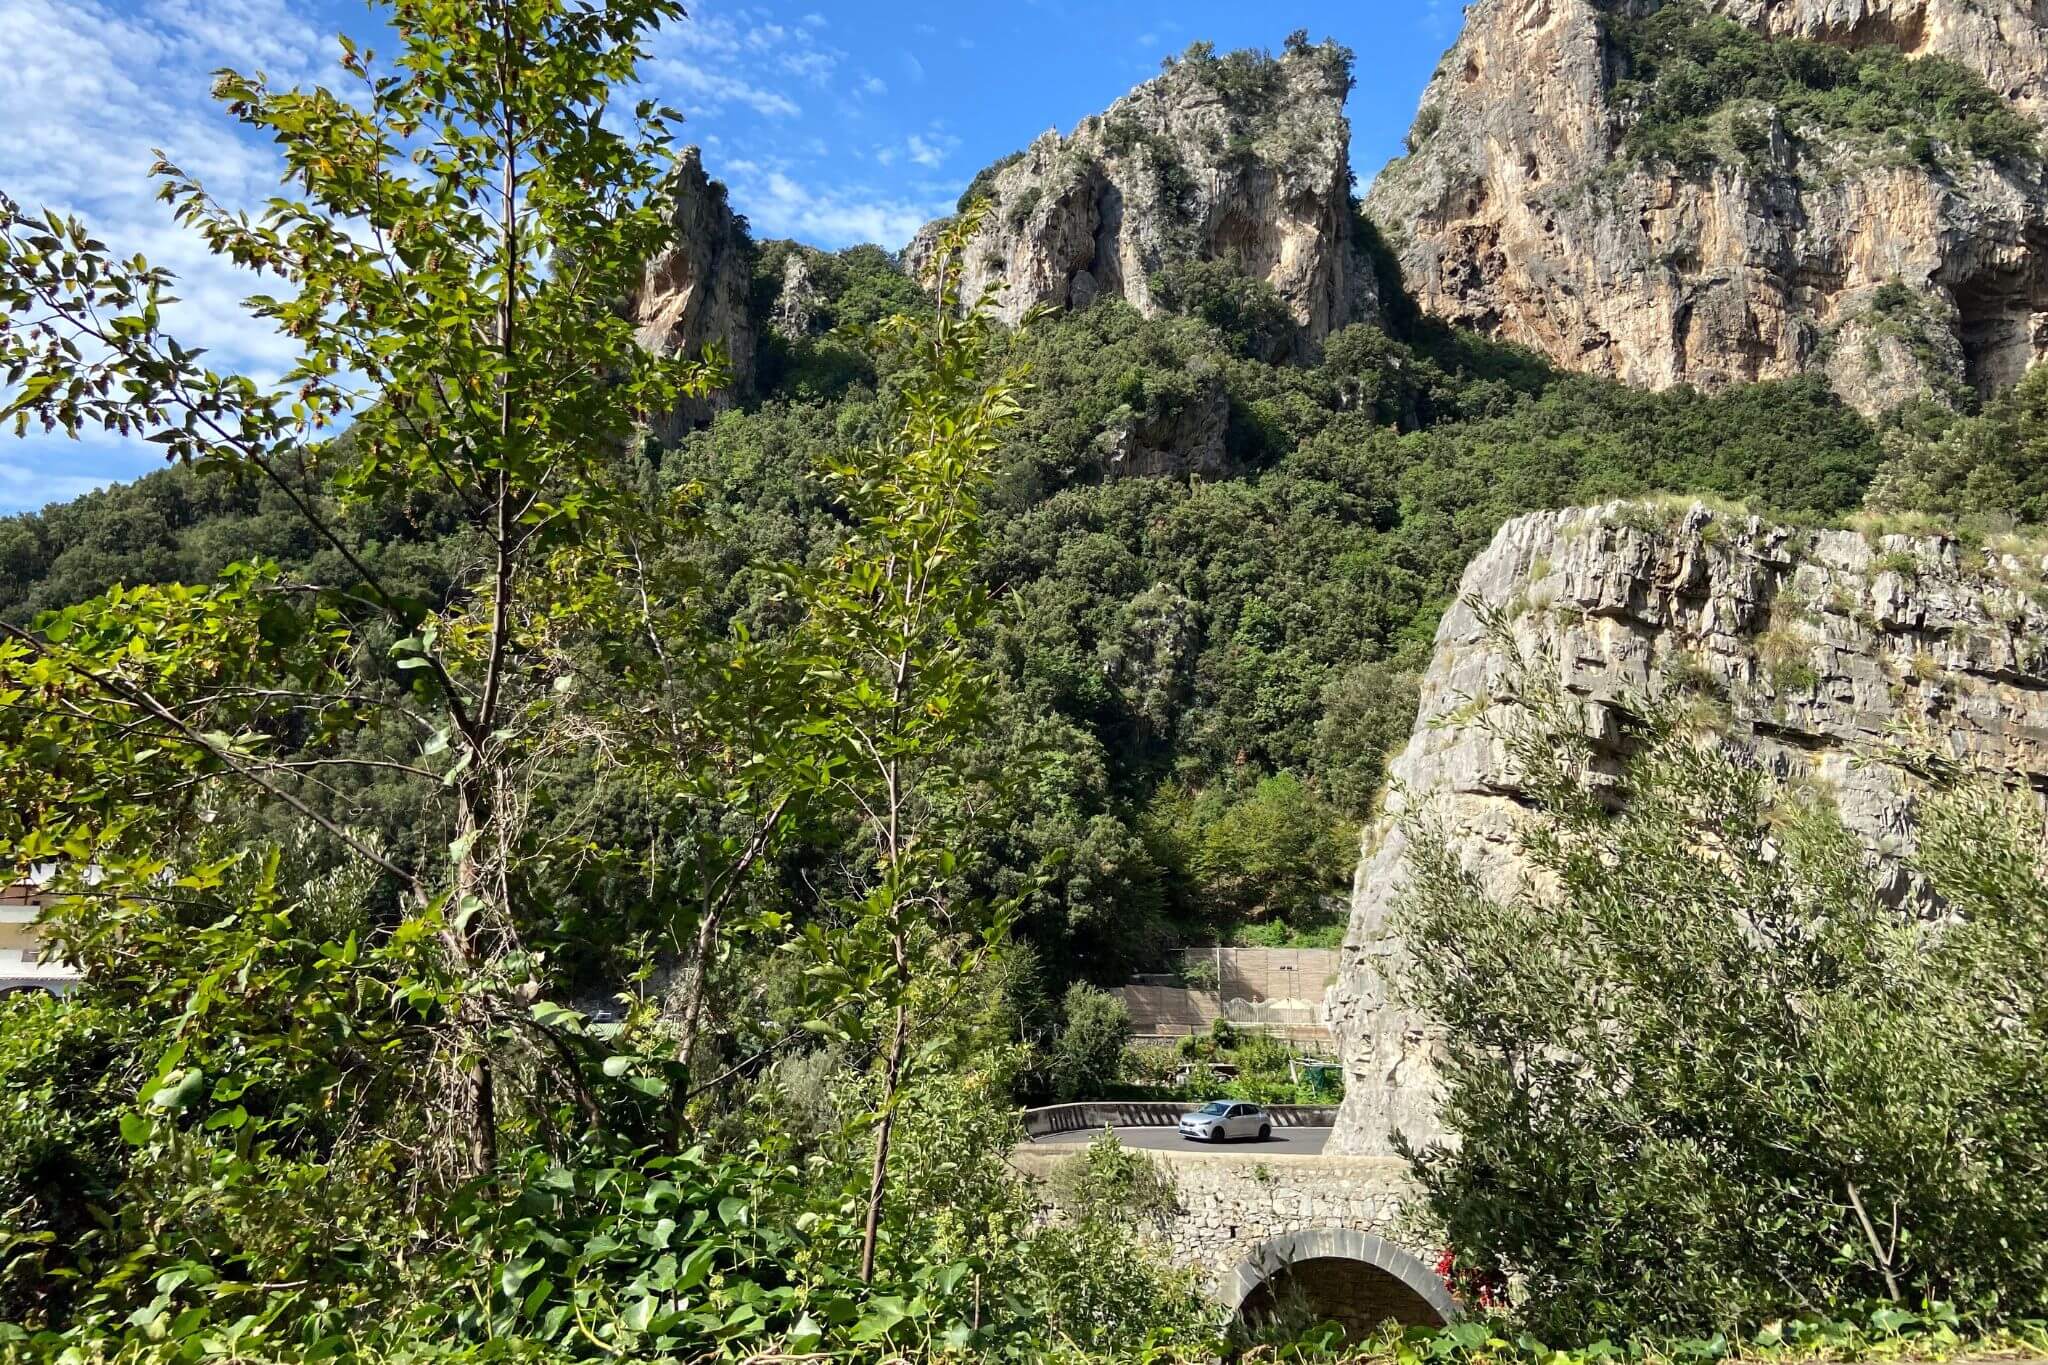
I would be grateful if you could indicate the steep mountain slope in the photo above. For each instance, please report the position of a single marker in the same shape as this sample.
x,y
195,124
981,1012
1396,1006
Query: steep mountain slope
x,y
1747,189
1827,657
698,292
1238,159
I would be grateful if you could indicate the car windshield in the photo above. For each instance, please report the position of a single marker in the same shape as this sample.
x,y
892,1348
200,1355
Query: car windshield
x,y
1215,1108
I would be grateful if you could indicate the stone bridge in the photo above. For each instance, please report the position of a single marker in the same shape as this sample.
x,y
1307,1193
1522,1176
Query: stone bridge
x,y
1267,1231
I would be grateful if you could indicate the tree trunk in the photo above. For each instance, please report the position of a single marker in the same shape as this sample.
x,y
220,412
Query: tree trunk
x,y
878,1182
473,1116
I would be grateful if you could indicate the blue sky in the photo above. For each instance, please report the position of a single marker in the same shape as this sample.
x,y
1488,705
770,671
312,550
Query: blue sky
x,y
833,121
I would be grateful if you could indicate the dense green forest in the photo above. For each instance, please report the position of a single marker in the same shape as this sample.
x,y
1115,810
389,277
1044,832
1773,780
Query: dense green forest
x,y
1219,659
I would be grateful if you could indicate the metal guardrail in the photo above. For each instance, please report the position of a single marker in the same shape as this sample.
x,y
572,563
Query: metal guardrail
x,y
1074,1118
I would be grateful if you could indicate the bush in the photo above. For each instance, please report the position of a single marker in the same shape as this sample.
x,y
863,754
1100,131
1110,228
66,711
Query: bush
x,y
1685,65
983,186
68,1068
1695,1093
1087,1058
1984,467
1246,311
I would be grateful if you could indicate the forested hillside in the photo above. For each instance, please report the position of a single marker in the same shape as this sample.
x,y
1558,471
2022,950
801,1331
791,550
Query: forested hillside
x,y
583,853
1218,575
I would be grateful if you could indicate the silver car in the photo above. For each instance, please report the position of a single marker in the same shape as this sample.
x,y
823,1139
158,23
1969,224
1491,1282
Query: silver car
x,y
1223,1120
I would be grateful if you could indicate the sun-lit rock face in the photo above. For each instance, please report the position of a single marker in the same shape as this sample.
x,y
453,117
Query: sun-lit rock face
x,y
1237,159
1520,212
1828,652
696,292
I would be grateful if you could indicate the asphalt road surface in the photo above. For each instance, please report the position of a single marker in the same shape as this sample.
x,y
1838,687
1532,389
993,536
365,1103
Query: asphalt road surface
x,y
1284,1142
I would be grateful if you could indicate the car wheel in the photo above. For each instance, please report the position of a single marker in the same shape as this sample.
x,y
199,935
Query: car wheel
x,y
1265,1131
1218,1134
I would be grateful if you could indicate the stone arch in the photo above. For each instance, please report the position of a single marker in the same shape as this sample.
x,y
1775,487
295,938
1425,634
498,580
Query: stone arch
x,y
1279,1256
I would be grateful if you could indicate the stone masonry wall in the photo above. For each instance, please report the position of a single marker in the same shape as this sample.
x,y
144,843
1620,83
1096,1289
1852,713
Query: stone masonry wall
x,y
1231,1202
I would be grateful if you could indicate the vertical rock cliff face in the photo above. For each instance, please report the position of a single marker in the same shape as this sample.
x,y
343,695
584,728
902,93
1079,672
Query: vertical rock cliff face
x,y
1829,648
696,292
1798,248
1236,159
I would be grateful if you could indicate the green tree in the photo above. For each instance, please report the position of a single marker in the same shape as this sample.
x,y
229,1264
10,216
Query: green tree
x,y
890,634
1982,468
1087,1057
451,277
1277,852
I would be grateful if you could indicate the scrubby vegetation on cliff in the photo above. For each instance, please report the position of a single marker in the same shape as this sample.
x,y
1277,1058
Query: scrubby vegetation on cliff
x,y
1682,65
1702,1068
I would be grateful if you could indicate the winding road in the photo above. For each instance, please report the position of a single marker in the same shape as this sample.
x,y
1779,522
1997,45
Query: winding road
x,y
1284,1142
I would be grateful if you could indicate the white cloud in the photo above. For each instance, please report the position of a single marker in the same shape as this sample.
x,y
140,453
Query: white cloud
x,y
778,205
56,470
913,66
723,57
933,149
704,90
88,91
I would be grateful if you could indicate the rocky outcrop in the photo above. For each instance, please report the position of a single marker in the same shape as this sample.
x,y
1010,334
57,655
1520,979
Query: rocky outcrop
x,y
799,303
1795,248
1187,438
1241,158
696,292
1831,652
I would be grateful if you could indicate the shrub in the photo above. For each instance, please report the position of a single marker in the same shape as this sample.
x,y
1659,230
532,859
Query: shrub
x,y
68,1068
1977,468
1699,1092
1686,65
983,186
1246,312
1087,1058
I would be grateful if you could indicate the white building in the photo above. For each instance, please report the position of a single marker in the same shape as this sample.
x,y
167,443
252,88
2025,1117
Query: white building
x,y
26,962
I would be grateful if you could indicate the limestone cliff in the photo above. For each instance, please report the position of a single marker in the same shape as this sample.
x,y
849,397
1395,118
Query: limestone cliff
x,y
1894,260
1241,158
1831,649
696,292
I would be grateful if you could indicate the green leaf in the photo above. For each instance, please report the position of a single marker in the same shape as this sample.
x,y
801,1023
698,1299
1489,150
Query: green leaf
x,y
181,1091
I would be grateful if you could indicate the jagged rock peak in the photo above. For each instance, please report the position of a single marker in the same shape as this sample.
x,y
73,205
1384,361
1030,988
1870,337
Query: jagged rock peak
x,y
1242,158
1815,653
696,292
1606,181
